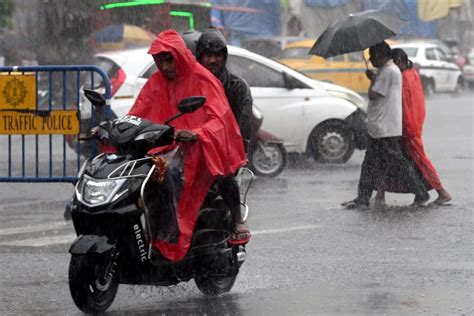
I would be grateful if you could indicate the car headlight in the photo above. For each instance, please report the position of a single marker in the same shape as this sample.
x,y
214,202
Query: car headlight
x,y
94,192
354,98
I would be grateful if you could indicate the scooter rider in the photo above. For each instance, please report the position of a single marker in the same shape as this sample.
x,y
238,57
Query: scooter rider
x,y
211,52
210,137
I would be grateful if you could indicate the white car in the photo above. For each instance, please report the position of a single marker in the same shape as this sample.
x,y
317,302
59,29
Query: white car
x,y
321,119
438,74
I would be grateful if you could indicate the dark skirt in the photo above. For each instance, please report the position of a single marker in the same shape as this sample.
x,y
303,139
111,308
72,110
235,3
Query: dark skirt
x,y
387,166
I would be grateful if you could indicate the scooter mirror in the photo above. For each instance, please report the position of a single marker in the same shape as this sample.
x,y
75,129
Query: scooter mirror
x,y
191,104
95,97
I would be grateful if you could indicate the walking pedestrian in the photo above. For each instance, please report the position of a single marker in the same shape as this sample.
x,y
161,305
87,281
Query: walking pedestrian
x,y
384,159
414,112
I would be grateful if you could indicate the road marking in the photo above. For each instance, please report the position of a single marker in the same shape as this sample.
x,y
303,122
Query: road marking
x,y
66,239
29,203
33,228
284,230
42,241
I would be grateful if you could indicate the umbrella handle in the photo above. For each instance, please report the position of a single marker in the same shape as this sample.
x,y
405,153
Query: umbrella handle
x,y
363,56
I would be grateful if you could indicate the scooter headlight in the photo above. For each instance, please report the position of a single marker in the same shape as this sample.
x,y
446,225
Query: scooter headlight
x,y
98,191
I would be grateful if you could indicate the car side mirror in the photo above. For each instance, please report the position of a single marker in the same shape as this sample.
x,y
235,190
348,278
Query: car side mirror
x,y
191,104
290,82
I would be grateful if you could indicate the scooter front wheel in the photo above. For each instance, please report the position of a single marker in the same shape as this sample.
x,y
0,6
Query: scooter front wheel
x,y
268,159
92,283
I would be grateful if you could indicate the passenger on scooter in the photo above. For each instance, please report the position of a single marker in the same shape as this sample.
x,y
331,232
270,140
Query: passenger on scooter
x,y
211,52
210,137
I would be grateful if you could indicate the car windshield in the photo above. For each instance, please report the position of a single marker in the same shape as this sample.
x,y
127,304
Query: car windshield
x,y
109,67
295,53
232,66
336,58
411,51
356,56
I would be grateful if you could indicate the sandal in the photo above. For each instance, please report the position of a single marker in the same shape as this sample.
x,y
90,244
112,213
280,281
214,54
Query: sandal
x,y
442,200
240,236
355,204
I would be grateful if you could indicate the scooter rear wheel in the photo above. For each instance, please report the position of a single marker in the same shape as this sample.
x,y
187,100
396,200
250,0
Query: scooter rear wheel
x,y
214,285
91,288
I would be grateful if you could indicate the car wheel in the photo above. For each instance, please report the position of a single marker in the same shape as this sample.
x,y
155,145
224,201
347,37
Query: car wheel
x,y
332,143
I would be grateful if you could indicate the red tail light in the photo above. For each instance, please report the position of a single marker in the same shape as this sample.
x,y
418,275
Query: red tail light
x,y
117,81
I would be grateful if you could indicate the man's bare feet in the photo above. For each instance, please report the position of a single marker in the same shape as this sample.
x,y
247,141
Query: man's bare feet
x,y
420,200
379,201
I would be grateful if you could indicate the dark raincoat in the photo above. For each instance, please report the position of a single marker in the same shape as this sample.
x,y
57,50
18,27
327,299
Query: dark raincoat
x,y
218,150
236,89
240,99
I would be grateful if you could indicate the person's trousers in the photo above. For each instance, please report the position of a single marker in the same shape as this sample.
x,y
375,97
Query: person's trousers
x,y
384,160
230,192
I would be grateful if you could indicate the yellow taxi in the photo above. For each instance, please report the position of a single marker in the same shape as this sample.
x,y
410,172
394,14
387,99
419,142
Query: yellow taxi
x,y
346,70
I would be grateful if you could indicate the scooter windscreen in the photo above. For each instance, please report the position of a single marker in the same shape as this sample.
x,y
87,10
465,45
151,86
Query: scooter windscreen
x,y
126,131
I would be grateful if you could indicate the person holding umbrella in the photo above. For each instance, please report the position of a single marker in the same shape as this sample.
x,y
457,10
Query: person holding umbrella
x,y
384,160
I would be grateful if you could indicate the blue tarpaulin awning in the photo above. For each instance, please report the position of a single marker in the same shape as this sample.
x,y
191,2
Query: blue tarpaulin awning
x,y
406,9
243,19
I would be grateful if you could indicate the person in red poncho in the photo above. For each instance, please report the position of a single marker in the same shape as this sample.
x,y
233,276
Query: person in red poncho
x,y
413,102
209,137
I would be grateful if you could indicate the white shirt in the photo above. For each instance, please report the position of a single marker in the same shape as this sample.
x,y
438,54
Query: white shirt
x,y
385,112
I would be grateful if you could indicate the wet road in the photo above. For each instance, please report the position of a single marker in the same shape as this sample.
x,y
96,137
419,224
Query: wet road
x,y
307,255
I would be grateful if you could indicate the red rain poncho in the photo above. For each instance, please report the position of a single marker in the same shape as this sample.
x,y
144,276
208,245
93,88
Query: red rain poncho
x,y
218,150
414,113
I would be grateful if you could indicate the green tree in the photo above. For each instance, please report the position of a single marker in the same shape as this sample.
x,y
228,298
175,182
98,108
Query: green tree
x,y
6,8
51,31
66,26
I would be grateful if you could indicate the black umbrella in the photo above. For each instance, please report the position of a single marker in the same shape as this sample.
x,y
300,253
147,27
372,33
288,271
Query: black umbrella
x,y
356,32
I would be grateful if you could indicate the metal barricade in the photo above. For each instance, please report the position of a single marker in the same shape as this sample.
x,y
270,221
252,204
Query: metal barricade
x,y
40,121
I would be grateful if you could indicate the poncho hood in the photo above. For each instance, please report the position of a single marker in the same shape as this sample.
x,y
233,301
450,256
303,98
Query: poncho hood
x,y
170,41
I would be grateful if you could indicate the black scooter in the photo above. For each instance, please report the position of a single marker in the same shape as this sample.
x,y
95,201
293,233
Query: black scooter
x,y
113,222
